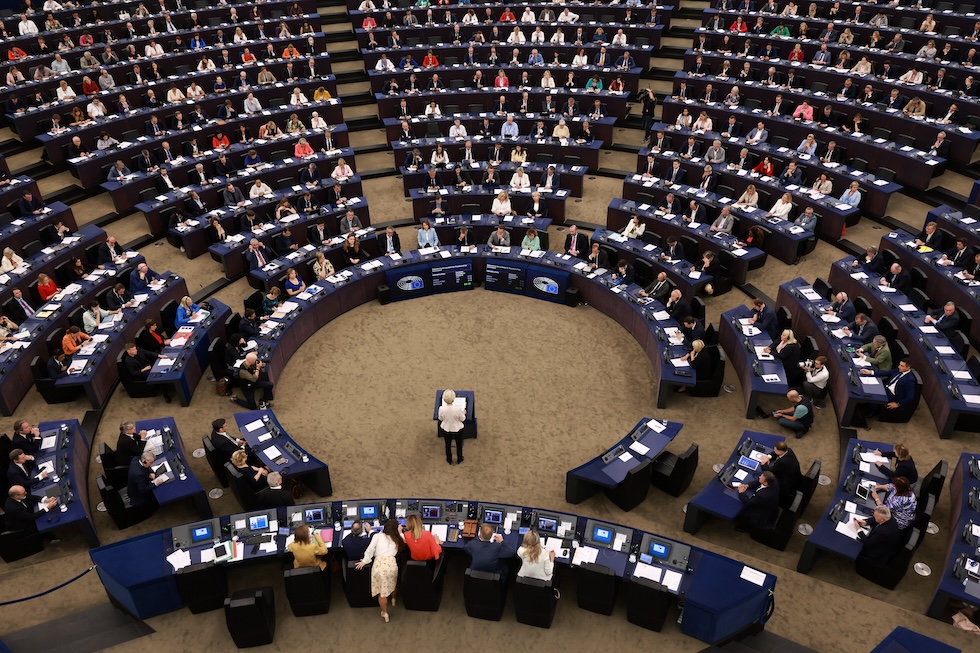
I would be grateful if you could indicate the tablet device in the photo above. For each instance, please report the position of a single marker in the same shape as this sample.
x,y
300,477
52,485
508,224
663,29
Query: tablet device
x,y
748,463
863,492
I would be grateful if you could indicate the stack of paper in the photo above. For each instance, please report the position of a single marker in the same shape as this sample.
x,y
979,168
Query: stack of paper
x,y
585,554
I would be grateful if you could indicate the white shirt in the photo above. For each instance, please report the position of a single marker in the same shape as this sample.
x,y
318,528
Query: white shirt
x,y
520,181
547,82
342,172
516,37
95,110
295,99
543,568
252,105
457,131
500,208
451,418
384,64
65,93
6,264
439,159
537,37
26,27
258,190
619,39
818,377
318,123
580,60
433,111
567,17
380,546
633,231
781,209
528,16
558,37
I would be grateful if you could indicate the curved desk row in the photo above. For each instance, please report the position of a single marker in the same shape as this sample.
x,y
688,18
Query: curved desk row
x,y
948,386
615,101
785,242
543,275
611,13
559,151
760,373
128,194
274,274
602,128
639,447
182,484
914,168
68,451
456,201
834,533
264,434
943,283
959,223
99,376
569,179
960,579
36,119
875,192
721,596
633,250
16,376
848,388
231,252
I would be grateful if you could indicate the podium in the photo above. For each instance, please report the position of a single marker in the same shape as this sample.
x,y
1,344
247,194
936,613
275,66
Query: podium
x,y
469,425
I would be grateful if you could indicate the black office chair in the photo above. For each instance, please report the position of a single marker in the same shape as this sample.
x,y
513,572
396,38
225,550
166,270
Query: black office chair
x,y
421,586
778,536
859,164
959,342
17,545
46,387
892,573
711,387
885,174
904,413
484,595
134,387
248,499
888,328
168,315
357,584
881,132
212,455
698,308
923,515
784,318
203,586
643,273
123,513
809,349
710,335
919,278
535,601
595,588
116,474
647,603
932,483
250,615
632,490
672,473
903,140
307,590
808,484
216,359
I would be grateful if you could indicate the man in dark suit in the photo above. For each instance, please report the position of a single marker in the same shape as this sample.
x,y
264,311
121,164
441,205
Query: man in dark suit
x,y
489,552
765,319
26,437
576,244
356,542
317,234
224,443
842,308
861,328
786,468
930,236
194,205
947,320
390,242
283,243
959,254
23,469
19,514
108,251
881,543
130,444
898,279
940,147
677,306
141,481
256,255
18,308
760,509
674,250
274,496
147,162
899,389
675,174
658,289
695,213
118,298
165,183
29,204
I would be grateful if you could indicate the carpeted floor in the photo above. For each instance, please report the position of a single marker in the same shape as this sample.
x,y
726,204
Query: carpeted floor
x,y
555,387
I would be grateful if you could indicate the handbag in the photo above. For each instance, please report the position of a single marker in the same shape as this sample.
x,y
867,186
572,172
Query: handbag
x,y
223,386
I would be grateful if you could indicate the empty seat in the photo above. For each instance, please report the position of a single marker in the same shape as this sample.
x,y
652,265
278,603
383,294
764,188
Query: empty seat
x,y
116,474
673,473
808,484
17,545
647,603
484,595
213,460
117,504
595,588
357,584
535,601
250,615
632,490
421,586
203,587
307,590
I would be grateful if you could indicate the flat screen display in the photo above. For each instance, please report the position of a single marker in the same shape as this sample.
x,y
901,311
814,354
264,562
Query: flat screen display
x,y
454,275
313,515
258,523
659,550
602,535
493,516
369,512
506,276
548,524
201,533
410,281
431,512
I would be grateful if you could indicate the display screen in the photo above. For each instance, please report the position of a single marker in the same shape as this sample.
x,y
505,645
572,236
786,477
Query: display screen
x,y
201,533
602,535
493,516
410,281
547,524
313,515
431,512
369,512
659,550
505,275
454,275
258,523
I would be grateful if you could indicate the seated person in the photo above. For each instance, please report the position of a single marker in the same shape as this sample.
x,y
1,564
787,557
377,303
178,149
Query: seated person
x,y
760,510
356,542
422,544
307,552
488,552
881,542
535,561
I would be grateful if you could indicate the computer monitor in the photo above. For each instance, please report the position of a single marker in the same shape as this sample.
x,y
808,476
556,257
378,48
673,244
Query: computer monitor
x,y
659,551
548,524
313,515
431,511
369,512
201,533
493,516
602,535
258,522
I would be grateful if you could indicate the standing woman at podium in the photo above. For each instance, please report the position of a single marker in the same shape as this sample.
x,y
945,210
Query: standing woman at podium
x,y
451,418
384,572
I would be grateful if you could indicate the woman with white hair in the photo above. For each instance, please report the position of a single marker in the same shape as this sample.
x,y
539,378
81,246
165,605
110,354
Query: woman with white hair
x,y
451,418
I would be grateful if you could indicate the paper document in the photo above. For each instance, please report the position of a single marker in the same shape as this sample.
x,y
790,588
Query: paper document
x,y
847,527
269,547
626,456
207,554
869,380
872,457
643,570
640,449
679,362
864,467
655,425
620,541
49,442
553,544
850,506
272,453
770,378
179,559
252,426
460,402
441,531
584,554
753,575
661,316
672,580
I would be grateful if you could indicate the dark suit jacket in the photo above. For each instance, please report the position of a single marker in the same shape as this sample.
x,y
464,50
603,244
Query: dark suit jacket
x,y
355,546
760,510
948,324
105,255
880,544
128,448
115,301
768,323
660,294
904,391
788,475
30,446
935,242
17,477
395,241
671,178
20,517
845,312
790,358
902,282
489,556
680,309
139,485
581,244
253,260
867,333
223,446
143,165
270,498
